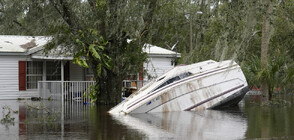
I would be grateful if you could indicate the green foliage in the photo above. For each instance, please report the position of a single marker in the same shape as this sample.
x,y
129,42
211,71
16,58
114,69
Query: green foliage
x,y
284,28
7,113
277,74
93,94
92,55
41,113
80,62
226,31
91,47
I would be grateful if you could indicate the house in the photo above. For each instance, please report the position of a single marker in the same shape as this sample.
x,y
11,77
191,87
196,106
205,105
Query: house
x,y
25,71
22,65
159,61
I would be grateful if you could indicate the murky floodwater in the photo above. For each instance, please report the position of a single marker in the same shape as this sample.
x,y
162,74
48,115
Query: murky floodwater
x,y
45,120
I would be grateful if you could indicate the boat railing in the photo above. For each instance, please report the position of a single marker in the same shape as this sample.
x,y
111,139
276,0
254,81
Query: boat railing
x,y
66,90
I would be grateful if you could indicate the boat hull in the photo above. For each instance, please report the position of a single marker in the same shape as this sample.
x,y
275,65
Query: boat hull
x,y
214,89
232,100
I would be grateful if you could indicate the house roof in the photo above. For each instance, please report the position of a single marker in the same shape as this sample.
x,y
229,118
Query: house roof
x,y
25,45
153,50
55,54
22,44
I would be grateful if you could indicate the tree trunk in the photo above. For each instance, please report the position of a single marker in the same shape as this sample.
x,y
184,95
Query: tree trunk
x,y
110,88
191,36
265,38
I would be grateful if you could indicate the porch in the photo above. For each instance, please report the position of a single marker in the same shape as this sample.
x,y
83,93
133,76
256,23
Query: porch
x,y
79,90
66,90
60,79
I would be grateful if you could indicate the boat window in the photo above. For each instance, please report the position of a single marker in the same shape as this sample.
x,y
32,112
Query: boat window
x,y
176,78
160,79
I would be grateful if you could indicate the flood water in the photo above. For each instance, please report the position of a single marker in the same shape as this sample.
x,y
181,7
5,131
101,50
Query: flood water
x,y
45,120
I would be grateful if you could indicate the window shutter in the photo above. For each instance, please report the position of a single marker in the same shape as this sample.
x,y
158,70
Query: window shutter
x,y
141,78
141,74
22,75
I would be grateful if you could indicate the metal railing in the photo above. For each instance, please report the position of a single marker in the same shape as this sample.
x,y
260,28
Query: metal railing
x,y
71,90
76,90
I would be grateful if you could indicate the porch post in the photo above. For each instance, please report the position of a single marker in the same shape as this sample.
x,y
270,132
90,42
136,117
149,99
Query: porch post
x,y
62,99
44,84
44,71
62,80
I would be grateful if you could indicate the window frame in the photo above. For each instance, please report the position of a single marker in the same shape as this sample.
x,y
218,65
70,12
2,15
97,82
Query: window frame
x,y
173,79
55,74
34,69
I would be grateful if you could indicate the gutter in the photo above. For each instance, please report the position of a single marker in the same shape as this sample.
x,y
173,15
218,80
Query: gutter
x,y
165,55
13,53
31,51
52,57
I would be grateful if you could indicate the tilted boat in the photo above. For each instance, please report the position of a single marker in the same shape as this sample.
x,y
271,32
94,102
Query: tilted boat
x,y
204,85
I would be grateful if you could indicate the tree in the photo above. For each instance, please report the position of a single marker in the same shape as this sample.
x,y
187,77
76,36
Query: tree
x,y
272,66
265,39
232,30
207,29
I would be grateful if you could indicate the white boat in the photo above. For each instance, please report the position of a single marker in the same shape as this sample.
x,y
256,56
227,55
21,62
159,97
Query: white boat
x,y
204,85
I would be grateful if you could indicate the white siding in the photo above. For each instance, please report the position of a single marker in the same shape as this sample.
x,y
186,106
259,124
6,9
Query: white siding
x,y
9,75
157,66
76,73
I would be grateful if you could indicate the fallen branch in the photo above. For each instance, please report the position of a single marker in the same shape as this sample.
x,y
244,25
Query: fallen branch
x,y
41,107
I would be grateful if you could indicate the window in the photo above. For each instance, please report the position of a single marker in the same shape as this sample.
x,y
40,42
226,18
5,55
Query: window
x,y
53,71
176,78
160,78
89,74
34,74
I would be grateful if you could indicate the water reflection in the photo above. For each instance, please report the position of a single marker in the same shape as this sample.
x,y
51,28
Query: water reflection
x,y
80,121
38,120
207,124
275,122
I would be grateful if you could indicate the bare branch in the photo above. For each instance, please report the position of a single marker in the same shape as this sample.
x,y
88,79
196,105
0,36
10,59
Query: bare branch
x,y
16,22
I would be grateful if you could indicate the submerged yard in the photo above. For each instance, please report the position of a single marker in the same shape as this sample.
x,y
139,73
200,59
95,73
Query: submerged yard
x,y
90,49
48,120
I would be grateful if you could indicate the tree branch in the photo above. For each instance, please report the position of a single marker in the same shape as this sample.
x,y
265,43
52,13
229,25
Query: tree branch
x,y
16,22
93,5
55,6
20,25
65,14
148,17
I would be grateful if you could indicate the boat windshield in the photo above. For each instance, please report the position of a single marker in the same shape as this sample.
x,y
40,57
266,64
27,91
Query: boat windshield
x,y
176,78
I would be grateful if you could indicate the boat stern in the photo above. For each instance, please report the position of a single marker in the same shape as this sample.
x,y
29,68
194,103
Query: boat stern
x,y
232,100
